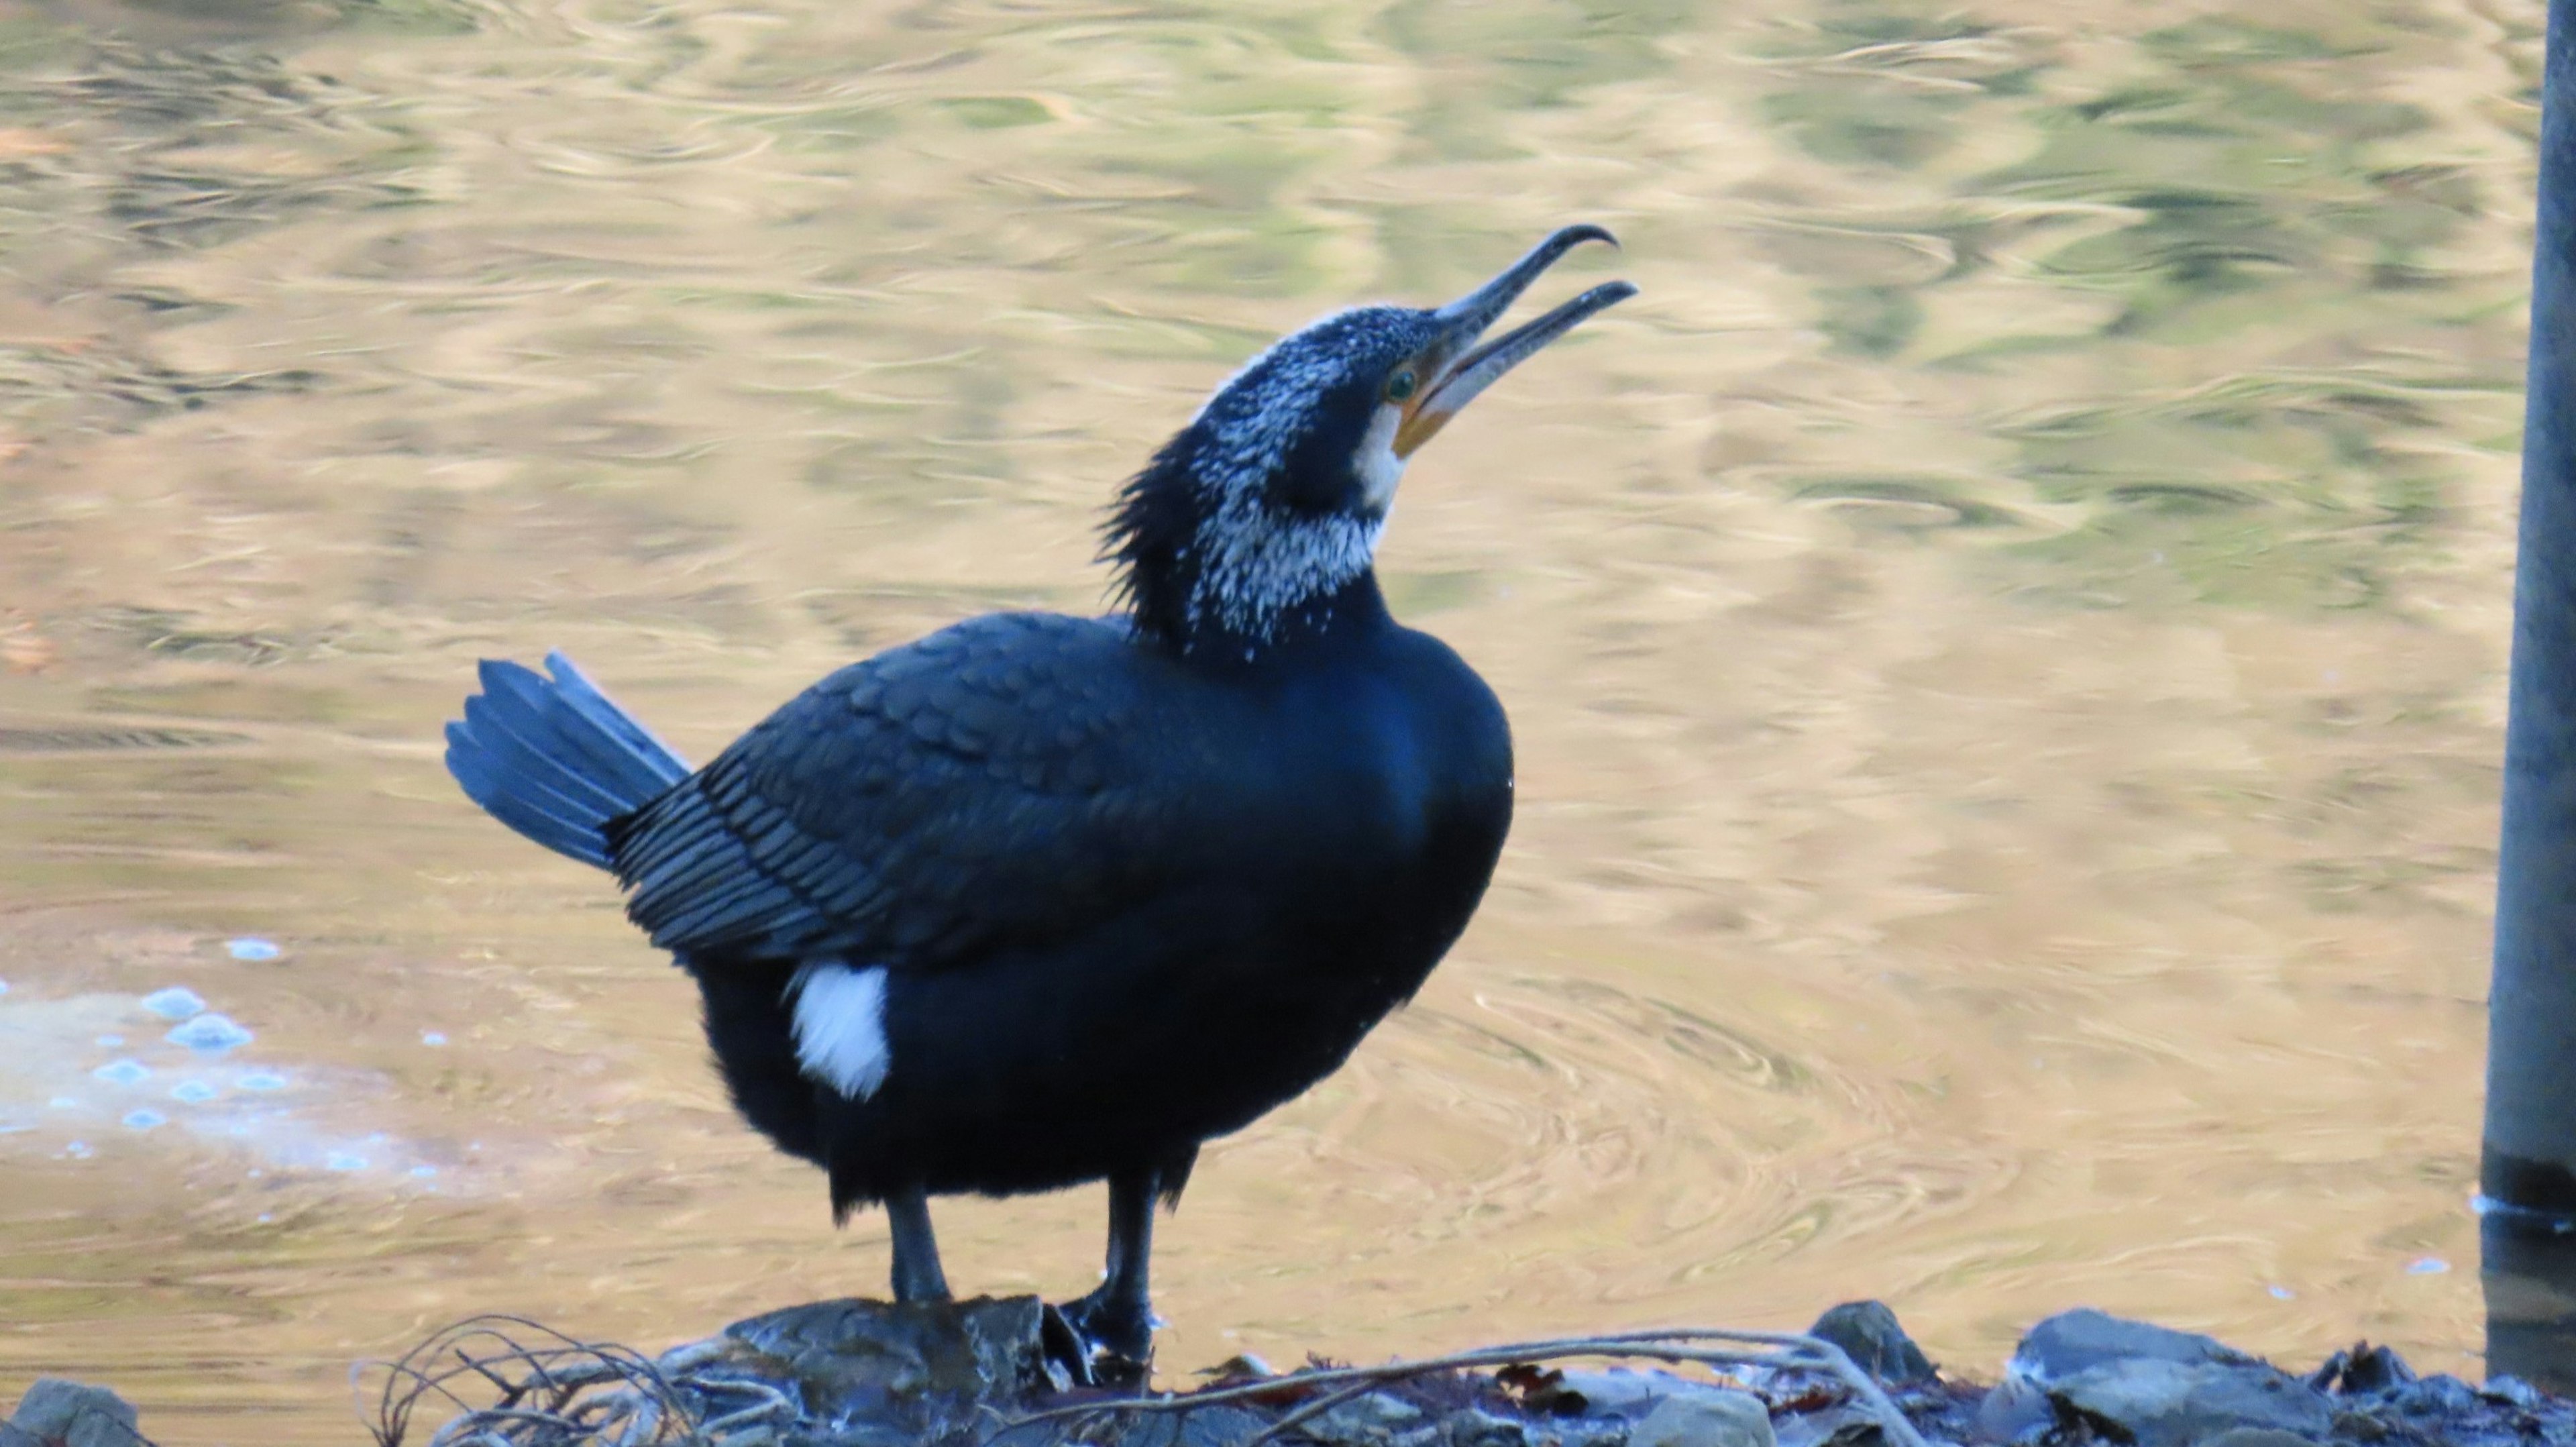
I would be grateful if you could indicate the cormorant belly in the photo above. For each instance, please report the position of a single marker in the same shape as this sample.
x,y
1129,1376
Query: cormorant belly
x,y
1354,807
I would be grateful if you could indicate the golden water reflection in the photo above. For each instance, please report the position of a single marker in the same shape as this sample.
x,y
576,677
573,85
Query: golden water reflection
x,y
2004,636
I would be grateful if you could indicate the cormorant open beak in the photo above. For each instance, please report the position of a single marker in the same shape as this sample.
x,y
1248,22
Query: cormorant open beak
x,y
1462,369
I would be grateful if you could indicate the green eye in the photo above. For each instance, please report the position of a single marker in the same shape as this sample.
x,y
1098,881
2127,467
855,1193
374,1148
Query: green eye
x,y
1401,385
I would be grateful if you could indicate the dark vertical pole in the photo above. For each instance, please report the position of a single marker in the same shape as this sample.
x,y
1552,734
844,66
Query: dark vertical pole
x,y
2528,1175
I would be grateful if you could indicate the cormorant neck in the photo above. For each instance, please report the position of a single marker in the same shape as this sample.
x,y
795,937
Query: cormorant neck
x,y
1354,610
1210,567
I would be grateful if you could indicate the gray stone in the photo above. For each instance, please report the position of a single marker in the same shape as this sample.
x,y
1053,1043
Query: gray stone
x,y
1218,1427
2073,1342
2258,1437
907,1372
2437,1396
2362,1370
1223,1425
1474,1427
1705,1417
2169,1404
2014,1408
2514,1391
2160,1387
58,1413
1593,1432
1365,1421
1620,1393
1868,1333
1846,1425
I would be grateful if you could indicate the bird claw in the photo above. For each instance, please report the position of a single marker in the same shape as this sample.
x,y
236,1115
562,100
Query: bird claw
x,y
1100,1343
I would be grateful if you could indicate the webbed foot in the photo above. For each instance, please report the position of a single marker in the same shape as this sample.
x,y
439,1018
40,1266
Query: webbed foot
x,y
1107,1342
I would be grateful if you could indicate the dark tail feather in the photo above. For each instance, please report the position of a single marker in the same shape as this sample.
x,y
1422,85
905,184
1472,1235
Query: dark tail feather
x,y
554,758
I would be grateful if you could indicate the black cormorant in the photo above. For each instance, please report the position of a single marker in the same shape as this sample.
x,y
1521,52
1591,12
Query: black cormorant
x,y
1040,899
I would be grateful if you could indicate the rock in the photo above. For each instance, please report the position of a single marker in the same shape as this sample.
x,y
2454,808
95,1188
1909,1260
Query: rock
x,y
2073,1342
2438,1397
1869,1334
1845,1425
2153,1385
2362,1370
898,1372
1217,1426
57,1413
1475,1427
1705,1417
2014,1408
1592,1432
2258,1437
2375,1369
2175,1403
2515,1392
1366,1422
1621,1393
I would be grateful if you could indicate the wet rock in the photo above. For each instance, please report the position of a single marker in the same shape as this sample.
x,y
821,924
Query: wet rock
x,y
1844,1424
2437,1397
1218,1426
2259,1437
2073,1342
57,1413
876,1371
2362,1370
1622,1407
2168,1403
1375,1420
2145,1384
2513,1391
1626,1395
1475,1427
1868,1333
1593,1432
1706,1417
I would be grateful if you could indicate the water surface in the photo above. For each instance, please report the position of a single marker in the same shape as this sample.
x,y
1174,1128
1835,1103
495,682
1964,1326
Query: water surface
x,y
2005,639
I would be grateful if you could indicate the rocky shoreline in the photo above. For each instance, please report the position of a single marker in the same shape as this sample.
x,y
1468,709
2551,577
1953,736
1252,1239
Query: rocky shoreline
x,y
991,1373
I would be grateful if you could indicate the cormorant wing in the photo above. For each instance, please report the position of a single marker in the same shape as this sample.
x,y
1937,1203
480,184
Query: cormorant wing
x,y
995,782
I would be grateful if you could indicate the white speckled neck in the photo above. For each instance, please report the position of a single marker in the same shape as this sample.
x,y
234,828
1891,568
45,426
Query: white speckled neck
x,y
1261,563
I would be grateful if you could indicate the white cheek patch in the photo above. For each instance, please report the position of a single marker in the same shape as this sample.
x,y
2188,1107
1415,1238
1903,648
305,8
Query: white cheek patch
x,y
1379,468
840,1027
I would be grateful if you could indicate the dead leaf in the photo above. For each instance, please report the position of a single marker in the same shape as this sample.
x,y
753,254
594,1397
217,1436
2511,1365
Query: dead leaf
x,y
1541,1390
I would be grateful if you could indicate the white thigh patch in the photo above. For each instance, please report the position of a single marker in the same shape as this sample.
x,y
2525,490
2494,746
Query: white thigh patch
x,y
840,1027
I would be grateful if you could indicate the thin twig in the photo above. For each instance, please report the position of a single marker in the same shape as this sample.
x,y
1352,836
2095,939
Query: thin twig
x,y
778,1401
1310,1412
545,1389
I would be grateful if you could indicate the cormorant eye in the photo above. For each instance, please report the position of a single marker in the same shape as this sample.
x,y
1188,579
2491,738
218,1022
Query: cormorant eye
x,y
1401,385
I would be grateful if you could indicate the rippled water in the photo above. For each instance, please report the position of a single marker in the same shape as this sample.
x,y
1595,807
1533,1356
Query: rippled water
x,y
2005,637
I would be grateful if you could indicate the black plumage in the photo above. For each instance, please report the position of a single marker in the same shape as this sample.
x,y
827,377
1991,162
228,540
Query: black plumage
x,y
1038,900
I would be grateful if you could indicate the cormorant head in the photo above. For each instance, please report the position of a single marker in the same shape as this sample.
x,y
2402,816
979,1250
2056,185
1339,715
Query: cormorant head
x,y
1269,504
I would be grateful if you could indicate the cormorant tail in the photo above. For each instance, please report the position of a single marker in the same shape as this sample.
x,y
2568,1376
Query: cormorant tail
x,y
554,758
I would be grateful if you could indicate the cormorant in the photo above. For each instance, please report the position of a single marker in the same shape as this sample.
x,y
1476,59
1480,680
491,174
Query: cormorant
x,y
1039,899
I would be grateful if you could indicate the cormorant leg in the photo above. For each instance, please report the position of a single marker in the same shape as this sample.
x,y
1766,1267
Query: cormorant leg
x,y
1118,1318
917,1276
